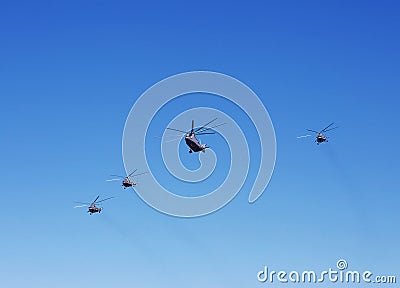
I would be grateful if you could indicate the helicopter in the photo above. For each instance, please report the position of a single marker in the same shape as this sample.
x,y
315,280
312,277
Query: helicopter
x,y
92,206
126,181
190,137
320,137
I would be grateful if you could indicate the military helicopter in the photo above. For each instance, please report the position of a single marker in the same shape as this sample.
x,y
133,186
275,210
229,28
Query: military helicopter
x,y
320,137
92,206
126,181
190,137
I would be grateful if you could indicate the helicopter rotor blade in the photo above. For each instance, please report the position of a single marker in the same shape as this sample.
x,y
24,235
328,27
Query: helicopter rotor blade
x,y
84,203
173,129
167,137
198,129
172,140
313,131
105,199
95,200
324,130
132,173
208,128
115,179
298,137
140,174
117,176
80,206
204,133
191,131
331,129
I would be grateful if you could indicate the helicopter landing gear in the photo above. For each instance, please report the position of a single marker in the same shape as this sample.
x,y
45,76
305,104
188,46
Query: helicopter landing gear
x,y
190,151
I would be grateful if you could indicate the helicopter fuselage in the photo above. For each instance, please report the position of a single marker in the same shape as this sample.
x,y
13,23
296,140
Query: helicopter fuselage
x,y
128,183
321,138
194,143
94,209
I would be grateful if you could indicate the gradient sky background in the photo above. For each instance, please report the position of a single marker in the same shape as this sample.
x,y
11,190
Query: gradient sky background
x,y
69,74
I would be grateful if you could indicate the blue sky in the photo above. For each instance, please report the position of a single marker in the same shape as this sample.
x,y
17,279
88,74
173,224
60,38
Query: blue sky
x,y
70,72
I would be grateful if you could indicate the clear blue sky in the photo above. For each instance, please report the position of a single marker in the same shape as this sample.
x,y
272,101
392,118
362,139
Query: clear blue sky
x,y
70,72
